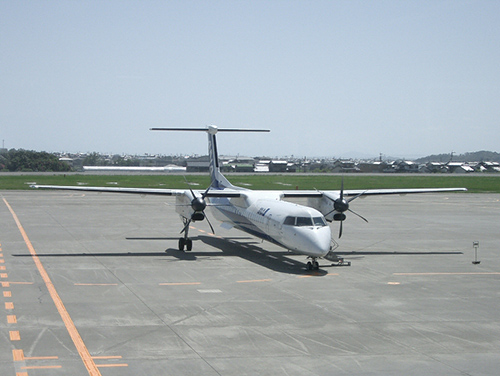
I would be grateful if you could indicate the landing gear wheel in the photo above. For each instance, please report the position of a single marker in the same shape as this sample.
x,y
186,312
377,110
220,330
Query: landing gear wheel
x,y
309,265
315,265
182,243
189,244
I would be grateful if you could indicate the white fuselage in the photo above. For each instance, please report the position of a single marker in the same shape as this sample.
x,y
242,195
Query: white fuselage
x,y
295,227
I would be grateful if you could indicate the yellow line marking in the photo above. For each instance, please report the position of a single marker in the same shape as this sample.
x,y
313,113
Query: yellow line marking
x,y
7,294
68,322
14,335
40,367
180,283
255,280
9,305
472,273
96,284
11,319
113,365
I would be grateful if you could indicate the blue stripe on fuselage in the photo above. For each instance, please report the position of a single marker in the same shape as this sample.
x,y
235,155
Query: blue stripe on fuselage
x,y
240,222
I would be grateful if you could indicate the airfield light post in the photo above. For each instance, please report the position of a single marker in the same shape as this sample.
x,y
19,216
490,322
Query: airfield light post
x,y
475,245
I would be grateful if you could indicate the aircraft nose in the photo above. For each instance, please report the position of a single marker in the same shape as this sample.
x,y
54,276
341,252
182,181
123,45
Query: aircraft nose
x,y
313,242
322,240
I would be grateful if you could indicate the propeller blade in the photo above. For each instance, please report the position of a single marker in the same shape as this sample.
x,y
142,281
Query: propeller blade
x,y
340,230
360,216
342,189
211,227
355,197
205,193
189,186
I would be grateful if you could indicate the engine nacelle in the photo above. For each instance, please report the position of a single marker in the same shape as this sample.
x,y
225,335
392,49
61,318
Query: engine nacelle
x,y
323,205
197,216
339,217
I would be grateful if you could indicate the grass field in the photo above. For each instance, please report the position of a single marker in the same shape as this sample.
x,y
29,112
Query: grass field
x,y
474,183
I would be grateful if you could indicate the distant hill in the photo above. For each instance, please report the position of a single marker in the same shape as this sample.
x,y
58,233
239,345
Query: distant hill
x,y
477,156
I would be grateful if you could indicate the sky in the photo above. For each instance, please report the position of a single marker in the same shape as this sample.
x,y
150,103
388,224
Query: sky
x,y
328,78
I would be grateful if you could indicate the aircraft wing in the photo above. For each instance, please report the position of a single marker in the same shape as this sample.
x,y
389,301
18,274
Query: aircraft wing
x,y
370,192
140,191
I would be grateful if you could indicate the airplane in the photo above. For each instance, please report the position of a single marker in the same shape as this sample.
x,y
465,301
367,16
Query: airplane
x,y
301,229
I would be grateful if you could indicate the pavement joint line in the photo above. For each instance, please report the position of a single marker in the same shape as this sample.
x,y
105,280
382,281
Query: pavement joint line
x,y
68,322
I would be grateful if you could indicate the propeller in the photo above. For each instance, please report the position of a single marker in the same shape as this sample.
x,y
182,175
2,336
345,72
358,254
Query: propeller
x,y
198,204
341,205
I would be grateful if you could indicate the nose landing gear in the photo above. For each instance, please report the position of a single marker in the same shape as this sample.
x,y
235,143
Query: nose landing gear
x,y
313,264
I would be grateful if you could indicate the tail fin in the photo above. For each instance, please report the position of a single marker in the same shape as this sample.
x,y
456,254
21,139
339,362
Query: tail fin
x,y
218,180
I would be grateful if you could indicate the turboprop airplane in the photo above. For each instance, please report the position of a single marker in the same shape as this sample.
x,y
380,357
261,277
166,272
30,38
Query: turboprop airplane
x,y
264,214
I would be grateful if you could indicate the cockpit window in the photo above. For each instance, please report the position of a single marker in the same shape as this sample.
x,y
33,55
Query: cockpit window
x,y
304,221
319,221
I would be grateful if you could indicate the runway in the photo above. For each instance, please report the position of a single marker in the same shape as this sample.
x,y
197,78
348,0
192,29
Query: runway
x,y
92,284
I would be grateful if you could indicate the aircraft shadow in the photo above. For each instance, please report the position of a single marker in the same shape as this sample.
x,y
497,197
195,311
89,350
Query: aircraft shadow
x,y
244,247
232,247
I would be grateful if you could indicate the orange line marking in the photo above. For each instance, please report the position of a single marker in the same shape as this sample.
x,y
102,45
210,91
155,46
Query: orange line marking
x,y
2,261
255,280
96,284
179,283
2,267
68,322
9,305
107,357
21,373
5,284
14,335
40,367
11,319
4,275
21,283
18,355
112,365
40,357
7,294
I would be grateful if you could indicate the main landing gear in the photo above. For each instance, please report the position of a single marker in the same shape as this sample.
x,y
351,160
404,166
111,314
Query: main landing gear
x,y
313,264
185,243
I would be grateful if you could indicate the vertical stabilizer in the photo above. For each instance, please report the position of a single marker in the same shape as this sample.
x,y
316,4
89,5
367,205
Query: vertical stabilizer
x,y
218,180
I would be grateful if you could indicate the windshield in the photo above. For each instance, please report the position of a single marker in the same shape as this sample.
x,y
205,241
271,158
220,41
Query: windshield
x,y
305,221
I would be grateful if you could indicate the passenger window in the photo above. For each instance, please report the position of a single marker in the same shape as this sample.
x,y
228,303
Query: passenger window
x,y
304,221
